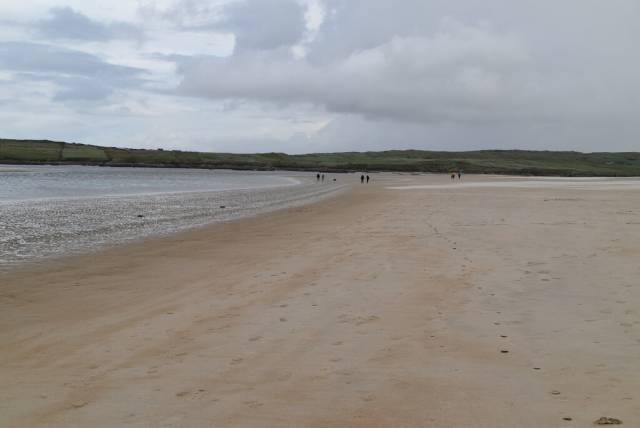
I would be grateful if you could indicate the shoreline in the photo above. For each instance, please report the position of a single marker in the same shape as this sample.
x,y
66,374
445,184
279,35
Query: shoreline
x,y
55,261
331,170
440,307
204,208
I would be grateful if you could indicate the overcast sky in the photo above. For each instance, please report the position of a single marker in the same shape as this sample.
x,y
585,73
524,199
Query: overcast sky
x,y
323,75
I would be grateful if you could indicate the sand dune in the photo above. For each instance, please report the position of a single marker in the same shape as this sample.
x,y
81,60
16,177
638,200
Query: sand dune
x,y
443,305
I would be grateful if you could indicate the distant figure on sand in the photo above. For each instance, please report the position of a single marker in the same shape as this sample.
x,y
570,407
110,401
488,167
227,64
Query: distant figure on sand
x,y
323,177
453,175
362,179
459,175
318,177
367,178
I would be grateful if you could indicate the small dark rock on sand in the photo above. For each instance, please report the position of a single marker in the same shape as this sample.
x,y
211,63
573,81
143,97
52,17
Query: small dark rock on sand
x,y
223,206
140,216
608,421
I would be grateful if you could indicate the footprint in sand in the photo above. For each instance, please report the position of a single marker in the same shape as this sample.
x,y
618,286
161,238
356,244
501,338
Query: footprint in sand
x,y
344,318
79,404
284,376
194,394
608,421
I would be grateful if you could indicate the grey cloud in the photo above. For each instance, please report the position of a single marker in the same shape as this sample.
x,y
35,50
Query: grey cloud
x,y
35,57
185,14
81,88
264,24
572,28
353,132
559,71
409,73
81,75
66,23
256,24
460,73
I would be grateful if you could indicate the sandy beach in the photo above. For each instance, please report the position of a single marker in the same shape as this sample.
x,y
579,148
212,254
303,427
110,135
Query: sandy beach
x,y
413,301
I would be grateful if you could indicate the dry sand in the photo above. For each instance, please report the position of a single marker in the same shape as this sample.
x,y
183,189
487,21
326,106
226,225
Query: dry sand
x,y
380,307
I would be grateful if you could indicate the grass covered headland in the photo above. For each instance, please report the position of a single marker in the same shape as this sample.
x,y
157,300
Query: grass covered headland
x,y
520,162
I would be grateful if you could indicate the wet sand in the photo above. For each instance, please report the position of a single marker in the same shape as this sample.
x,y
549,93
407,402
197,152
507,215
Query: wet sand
x,y
439,305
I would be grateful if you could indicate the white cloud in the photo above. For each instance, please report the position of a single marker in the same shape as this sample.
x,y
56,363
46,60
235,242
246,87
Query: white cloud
x,y
458,73
305,75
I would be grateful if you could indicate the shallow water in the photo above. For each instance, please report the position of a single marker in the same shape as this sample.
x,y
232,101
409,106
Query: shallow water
x,y
53,211
45,182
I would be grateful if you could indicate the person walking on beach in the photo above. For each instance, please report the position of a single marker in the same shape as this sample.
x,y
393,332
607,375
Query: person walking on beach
x,y
318,177
362,179
367,178
459,175
453,175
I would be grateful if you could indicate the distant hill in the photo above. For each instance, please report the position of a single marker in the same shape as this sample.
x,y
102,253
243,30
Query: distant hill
x,y
519,162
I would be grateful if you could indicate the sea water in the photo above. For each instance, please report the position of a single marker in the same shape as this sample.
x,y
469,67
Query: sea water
x,y
49,211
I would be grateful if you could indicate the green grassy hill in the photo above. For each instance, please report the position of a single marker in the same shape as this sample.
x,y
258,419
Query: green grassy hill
x,y
521,162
